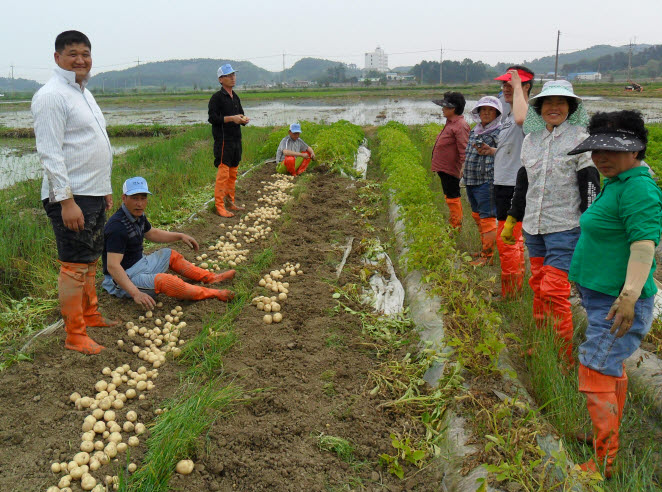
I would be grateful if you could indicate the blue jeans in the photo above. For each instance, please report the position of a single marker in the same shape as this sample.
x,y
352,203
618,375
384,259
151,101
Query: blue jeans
x,y
481,199
142,273
602,351
557,247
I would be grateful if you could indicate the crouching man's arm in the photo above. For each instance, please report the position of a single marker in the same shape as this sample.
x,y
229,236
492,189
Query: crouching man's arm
x,y
160,236
114,265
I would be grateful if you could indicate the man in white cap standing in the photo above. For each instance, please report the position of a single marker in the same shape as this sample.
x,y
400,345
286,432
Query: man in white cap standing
x,y
130,273
292,147
226,117
77,158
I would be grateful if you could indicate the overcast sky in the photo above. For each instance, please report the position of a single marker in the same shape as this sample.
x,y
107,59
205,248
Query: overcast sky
x,y
262,30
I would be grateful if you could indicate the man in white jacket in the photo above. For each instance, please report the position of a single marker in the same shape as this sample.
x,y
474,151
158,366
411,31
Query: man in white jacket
x,y
76,155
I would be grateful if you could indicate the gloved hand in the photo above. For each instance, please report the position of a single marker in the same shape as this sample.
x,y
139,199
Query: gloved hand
x,y
622,312
507,232
639,266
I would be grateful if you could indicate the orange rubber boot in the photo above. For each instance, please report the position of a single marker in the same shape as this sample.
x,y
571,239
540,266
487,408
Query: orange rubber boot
x,y
519,238
304,165
455,208
91,312
173,286
554,292
621,392
290,164
232,181
71,291
476,217
220,190
603,407
512,272
488,228
179,264
534,282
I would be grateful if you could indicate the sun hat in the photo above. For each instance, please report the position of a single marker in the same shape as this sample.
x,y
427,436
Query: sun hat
x,y
534,121
133,186
556,88
612,140
525,76
491,101
295,128
224,70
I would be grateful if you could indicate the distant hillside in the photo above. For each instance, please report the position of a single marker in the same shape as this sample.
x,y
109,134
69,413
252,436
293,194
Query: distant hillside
x,y
196,73
646,63
19,85
546,64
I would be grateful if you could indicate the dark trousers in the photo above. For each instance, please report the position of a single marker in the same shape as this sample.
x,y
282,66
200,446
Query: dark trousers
x,y
83,246
228,152
450,185
503,195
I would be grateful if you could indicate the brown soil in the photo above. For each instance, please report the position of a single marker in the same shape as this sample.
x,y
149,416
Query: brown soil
x,y
311,369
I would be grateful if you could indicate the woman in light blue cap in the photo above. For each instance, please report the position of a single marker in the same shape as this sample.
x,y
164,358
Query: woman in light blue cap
x,y
553,189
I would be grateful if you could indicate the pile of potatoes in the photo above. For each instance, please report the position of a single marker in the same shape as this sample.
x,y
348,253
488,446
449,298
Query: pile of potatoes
x,y
253,226
272,305
102,439
162,338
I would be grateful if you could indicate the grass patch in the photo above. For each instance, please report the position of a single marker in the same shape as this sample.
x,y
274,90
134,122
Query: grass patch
x,y
175,433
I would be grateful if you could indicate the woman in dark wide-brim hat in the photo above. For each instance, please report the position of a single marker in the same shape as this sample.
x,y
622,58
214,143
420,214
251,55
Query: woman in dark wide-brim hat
x,y
448,153
613,265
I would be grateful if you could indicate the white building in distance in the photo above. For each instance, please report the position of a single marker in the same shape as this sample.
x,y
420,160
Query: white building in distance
x,y
377,60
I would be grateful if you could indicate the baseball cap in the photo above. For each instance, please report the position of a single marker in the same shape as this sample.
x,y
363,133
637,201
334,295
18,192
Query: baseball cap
x,y
133,186
295,128
525,76
224,70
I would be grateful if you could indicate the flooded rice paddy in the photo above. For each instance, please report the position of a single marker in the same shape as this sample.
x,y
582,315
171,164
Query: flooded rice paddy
x,y
18,162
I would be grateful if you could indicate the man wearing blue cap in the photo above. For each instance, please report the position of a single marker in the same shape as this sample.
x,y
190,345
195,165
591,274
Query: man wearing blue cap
x,y
130,273
292,147
226,117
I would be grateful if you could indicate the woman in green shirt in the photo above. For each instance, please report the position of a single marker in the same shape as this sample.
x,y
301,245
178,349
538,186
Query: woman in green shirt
x,y
613,265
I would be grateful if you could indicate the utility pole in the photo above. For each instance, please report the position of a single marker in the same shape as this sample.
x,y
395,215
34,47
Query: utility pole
x,y
441,63
421,73
556,63
282,78
12,79
139,84
630,61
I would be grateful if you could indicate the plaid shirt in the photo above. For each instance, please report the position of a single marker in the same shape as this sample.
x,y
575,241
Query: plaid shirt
x,y
479,169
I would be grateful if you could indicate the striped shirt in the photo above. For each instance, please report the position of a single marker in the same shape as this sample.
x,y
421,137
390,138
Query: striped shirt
x,y
72,142
288,143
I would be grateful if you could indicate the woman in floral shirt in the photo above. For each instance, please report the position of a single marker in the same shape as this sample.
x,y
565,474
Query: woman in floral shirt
x,y
553,189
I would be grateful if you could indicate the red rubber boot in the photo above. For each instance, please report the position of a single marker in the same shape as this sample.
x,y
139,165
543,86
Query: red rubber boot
x,y
173,286
179,264
91,312
603,407
71,286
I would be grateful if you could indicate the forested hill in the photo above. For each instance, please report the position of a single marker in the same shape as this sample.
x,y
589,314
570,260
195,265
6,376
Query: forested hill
x,y
198,73
18,85
546,64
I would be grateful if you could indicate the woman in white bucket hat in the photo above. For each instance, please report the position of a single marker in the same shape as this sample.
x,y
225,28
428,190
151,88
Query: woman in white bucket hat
x,y
553,190
479,174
